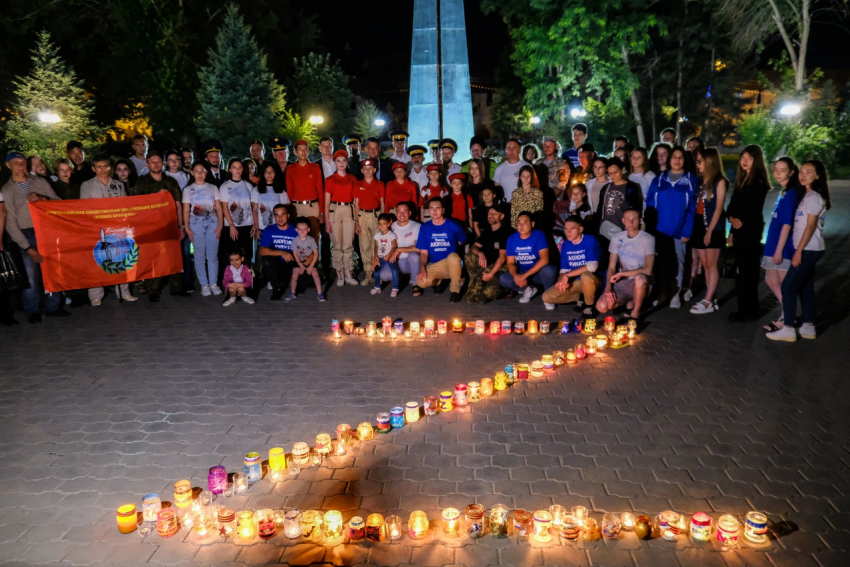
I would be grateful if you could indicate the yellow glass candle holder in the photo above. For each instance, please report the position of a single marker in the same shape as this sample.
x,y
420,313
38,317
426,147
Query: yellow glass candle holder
x,y
126,516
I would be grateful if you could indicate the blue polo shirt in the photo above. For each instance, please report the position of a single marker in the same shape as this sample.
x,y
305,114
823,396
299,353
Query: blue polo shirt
x,y
526,252
574,256
277,238
440,241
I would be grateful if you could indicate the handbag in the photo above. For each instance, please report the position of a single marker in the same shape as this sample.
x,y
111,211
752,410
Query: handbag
x,y
12,277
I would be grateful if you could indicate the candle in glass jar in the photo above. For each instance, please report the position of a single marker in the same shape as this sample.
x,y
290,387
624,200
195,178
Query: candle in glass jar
x,y
569,528
365,431
544,327
580,514
532,327
393,527
522,372
127,518
559,357
323,444
411,412
701,527
501,382
361,331
226,522
246,525
591,530
414,328
446,401
506,327
374,527
522,523
151,504
311,525
418,524
253,467
727,529
519,328
461,395
356,529
542,523
486,387
571,356
383,422
475,521
371,329
558,513
548,362
474,389
581,353
300,454
333,527
451,522
611,526
166,522
442,327
430,405
277,458
495,328
590,346
344,433
266,525
182,493
628,521
335,328
537,369
397,417
589,326
755,527
429,327
348,327
457,326
499,521
292,523
609,324
480,327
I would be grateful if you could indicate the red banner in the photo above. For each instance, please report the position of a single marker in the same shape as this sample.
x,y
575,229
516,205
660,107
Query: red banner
x,y
103,242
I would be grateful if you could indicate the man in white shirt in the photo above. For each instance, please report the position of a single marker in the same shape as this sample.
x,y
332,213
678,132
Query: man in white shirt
x,y
326,159
417,173
407,231
507,173
399,138
140,154
634,250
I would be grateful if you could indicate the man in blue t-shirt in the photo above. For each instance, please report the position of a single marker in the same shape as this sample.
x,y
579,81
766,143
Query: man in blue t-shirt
x,y
579,261
528,261
437,243
276,251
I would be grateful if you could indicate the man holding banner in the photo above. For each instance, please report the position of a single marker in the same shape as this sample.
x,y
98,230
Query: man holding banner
x,y
21,190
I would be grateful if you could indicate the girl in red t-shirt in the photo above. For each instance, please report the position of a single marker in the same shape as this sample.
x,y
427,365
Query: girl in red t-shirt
x,y
459,201
432,190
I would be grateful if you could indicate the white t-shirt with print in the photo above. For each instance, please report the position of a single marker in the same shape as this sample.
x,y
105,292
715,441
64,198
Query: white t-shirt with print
x,y
632,252
236,197
266,203
507,175
201,199
385,243
811,204
407,236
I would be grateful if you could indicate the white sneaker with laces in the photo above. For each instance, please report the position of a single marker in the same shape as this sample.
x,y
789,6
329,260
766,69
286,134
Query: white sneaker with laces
x,y
549,306
340,279
350,279
215,289
786,333
689,295
205,291
96,302
230,301
675,303
394,293
376,290
527,294
130,298
807,331
248,300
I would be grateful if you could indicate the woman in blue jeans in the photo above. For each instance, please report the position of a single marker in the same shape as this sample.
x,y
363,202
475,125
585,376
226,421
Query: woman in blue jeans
x,y
809,249
202,206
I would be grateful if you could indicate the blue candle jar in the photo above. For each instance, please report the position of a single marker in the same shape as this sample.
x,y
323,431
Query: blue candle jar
x,y
253,467
397,417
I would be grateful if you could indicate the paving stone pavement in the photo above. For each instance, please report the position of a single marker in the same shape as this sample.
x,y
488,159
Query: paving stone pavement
x,y
700,414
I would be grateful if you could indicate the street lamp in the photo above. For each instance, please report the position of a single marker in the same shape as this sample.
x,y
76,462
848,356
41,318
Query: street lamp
x,y
578,112
790,109
535,120
380,122
316,120
48,117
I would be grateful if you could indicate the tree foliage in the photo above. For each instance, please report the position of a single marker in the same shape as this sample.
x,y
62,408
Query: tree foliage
x,y
50,87
239,97
364,119
294,128
320,87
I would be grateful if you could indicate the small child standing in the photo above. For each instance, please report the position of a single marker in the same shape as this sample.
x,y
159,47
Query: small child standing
x,y
386,243
306,254
237,279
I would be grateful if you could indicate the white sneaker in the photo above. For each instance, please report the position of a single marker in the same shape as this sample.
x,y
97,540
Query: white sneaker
x,y
130,298
248,300
68,301
96,302
350,279
786,333
675,303
527,294
215,289
689,295
230,301
340,279
376,290
269,286
205,291
807,331
549,306
394,293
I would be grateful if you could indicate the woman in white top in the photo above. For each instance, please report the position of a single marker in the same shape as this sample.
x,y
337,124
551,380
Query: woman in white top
x,y
238,215
809,249
174,168
270,191
594,185
640,173
202,206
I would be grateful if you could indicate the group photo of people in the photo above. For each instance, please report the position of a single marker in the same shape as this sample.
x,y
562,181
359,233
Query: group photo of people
x,y
595,231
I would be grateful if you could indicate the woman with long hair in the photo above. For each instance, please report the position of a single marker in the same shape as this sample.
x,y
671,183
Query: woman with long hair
x,y
708,237
63,186
527,197
745,216
125,172
270,191
478,180
640,172
779,245
202,208
174,168
809,249
598,180
237,210
658,158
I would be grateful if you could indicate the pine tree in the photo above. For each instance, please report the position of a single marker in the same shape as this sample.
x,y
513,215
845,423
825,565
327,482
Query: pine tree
x,y
320,86
239,97
364,120
51,90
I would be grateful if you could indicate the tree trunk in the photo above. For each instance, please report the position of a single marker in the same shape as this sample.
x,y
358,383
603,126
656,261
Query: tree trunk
x,y
800,78
635,108
679,78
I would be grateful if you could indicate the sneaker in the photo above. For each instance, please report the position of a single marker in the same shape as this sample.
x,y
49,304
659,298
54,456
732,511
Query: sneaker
x,y
549,306
786,333
130,298
394,293
68,301
376,290
527,294
289,296
350,279
229,301
215,289
704,306
248,300
675,303
95,302
269,286
340,279
688,295
807,331
321,297
205,291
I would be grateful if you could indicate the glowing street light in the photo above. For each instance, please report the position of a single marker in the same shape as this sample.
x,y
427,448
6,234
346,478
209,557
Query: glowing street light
x,y
48,118
790,109
316,120
578,113
380,122
535,120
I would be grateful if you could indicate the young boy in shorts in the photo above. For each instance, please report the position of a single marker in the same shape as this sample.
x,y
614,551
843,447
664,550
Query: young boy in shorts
x,y
306,254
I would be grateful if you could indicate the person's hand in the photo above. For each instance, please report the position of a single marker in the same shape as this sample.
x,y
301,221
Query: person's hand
x,y
707,239
684,239
357,228
616,277
798,258
182,231
286,256
729,241
421,277
562,284
255,231
482,260
321,218
777,257
33,197
520,280
736,223
486,276
311,270
330,227
217,232
190,234
234,234
394,255
375,264
36,257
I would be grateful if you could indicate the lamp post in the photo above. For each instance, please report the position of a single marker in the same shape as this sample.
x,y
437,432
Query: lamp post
x,y
790,109
316,120
48,118
380,122
578,112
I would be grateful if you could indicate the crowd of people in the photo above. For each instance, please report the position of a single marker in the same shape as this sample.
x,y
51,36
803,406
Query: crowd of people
x,y
634,228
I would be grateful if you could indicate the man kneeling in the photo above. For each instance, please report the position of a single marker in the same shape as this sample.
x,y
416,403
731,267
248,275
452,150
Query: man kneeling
x,y
579,262
634,249
487,260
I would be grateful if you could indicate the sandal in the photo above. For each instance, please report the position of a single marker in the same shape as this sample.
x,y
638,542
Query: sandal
x,y
417,291
772,327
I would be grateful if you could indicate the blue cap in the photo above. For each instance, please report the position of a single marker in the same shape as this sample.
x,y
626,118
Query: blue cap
x,y
14,155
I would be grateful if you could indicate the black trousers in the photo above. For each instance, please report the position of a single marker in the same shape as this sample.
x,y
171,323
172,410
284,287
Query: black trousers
x,y
747,254
278,271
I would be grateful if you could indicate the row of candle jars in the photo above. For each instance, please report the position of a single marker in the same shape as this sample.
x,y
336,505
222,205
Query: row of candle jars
x,y
431,328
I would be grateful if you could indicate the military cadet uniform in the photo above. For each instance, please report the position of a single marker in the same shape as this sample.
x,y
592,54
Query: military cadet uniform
x,y
219,176
278,144
399,137
341,221
368,197
305,186
420,178
352,142
449,168
434,147
395,192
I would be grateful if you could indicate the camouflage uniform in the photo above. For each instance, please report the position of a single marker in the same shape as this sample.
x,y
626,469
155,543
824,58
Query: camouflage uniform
x,y
478,290
559,174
